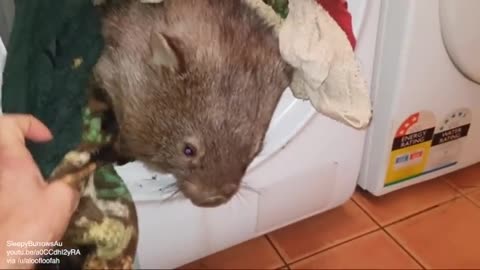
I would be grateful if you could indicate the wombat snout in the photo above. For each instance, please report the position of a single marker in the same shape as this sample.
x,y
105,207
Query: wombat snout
x,y
203,196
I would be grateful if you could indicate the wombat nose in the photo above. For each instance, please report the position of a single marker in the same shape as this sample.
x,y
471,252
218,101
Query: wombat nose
x,y
212,201
205,196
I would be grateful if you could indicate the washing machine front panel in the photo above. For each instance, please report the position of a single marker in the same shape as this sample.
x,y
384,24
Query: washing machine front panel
x,y
427,110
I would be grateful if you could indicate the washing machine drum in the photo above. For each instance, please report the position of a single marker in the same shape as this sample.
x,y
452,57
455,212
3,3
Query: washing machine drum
x,y
459,21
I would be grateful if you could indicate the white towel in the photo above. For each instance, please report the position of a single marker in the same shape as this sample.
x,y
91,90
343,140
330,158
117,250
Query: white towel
x,y
327,72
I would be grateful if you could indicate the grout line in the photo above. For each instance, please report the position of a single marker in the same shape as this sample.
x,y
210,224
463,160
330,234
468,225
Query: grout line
x,y
457,189
449,180
470,199
380,228
451,185
461,193
388,234
474,202
404,248
365,212
333,246
421,211
456,197
276,251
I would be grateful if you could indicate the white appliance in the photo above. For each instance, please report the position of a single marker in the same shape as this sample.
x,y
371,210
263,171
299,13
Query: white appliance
x,y
3,58
426,93
310,164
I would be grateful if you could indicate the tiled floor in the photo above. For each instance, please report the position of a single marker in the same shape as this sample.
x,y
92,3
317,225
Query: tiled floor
x,y
431,225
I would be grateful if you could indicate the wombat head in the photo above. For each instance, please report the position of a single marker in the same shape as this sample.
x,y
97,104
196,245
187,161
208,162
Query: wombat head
x,y
205,102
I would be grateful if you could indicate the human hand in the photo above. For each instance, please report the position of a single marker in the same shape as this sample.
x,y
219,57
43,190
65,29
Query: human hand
x,y
30,208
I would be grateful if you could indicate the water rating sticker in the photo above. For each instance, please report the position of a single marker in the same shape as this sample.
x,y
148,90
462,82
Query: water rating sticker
x,y
448,139
411,147
421,146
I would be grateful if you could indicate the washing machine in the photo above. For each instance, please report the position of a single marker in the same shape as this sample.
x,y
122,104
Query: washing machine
x,y
309,164
426,93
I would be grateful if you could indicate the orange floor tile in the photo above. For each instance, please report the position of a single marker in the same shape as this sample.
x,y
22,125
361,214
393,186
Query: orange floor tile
x,y
321,232
405,202
253,254
445,237
475,197
466,180
360,252
432,225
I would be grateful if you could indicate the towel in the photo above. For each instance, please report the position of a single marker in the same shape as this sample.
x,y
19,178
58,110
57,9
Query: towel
x,y
326,70
320,49
338,10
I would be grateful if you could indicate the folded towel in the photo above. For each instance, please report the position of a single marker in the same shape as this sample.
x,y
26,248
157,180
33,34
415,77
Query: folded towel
x,y
327,72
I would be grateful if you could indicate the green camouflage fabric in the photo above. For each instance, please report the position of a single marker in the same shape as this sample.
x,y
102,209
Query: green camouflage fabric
x,y
105,225
280,7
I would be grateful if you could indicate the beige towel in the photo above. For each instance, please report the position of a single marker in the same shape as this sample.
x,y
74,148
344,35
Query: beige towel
x,y
327,72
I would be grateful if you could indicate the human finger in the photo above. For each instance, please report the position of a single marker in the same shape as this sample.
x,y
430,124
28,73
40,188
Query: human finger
x,y
17,127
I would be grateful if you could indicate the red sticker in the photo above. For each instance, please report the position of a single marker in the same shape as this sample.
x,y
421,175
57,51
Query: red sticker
x,y
416,155
410,121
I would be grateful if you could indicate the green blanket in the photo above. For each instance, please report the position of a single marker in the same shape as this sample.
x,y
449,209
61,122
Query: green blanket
x,y
53,47
48,36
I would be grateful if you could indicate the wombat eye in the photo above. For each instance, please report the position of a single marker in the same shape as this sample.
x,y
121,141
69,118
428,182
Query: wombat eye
x,y
189,150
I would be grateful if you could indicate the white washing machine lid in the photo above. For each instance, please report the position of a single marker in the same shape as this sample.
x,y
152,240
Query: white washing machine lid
x,y
459,21
290,116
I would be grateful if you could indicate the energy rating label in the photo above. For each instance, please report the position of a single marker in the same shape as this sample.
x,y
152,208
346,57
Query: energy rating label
x,y
422,146
411,147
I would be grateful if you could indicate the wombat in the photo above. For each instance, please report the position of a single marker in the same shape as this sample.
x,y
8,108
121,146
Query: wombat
x,y
193,85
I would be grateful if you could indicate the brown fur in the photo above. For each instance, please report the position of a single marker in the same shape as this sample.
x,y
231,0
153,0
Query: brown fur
x,y
219,98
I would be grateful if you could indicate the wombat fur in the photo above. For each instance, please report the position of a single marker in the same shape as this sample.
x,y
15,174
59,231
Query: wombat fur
x,y
193,85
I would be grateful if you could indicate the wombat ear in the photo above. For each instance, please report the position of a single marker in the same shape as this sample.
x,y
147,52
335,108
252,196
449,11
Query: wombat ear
x,y
163,53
